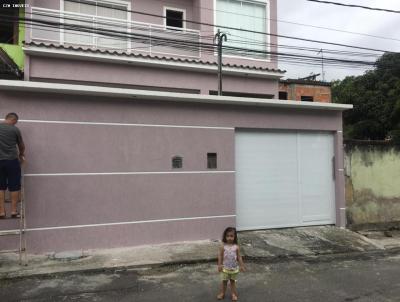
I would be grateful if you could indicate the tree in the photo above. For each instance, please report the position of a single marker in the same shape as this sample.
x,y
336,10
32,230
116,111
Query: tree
x,y
376,99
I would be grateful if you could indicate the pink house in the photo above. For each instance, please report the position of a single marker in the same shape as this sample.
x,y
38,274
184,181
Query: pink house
x,y
129,144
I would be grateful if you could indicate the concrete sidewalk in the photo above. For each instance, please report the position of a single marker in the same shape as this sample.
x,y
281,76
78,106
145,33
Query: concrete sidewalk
x,y
267,245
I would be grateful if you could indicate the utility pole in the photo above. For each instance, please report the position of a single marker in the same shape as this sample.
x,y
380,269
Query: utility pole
x,y
219,39
322,63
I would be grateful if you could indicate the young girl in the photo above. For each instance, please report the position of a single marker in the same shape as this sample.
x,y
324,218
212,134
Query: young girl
x,y
228,259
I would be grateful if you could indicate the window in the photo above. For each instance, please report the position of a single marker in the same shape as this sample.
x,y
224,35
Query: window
x,y
110,17
307,98
174,18
177,162
248,15
212,160
9,24
283,95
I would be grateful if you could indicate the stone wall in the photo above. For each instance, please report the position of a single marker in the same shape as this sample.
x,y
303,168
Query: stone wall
x,y
372,184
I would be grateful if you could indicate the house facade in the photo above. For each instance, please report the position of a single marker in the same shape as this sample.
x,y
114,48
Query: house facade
x,y
128,144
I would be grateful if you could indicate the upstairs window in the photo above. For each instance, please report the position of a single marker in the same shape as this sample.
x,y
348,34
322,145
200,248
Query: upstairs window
x,y
174,18
248,15
110,17
8,22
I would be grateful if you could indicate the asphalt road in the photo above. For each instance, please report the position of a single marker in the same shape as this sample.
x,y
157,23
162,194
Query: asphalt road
x,y
362,280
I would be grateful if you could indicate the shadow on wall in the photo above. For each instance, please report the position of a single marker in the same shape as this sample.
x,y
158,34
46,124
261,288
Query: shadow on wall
x,y
372,185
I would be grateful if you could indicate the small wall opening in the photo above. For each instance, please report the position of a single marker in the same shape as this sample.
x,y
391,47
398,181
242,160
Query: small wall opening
x,y
305,98
177,162
211,160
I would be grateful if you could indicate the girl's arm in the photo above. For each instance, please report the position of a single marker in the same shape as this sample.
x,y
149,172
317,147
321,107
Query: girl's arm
x,y
240,259
220,257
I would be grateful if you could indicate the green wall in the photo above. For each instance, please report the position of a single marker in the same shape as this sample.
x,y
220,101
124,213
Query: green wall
x,y
372,183
15,51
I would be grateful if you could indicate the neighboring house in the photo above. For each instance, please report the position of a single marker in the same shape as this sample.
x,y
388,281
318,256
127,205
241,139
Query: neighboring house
x,y
128,145
305,90
12,35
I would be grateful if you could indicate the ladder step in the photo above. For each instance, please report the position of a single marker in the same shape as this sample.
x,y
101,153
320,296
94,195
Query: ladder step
x,y
7,233
9,201
9,251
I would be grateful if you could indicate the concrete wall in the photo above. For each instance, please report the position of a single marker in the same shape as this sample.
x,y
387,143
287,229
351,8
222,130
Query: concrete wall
x,y
63,70
372,183
99,169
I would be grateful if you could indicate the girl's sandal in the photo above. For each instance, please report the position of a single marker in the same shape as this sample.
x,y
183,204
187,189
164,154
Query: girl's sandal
x,y
220,297
234,298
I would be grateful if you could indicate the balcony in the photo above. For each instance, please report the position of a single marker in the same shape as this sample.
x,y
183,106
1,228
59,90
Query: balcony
x,y
94,32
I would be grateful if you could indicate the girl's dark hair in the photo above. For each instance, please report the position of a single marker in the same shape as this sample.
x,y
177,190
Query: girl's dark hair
x,y
228,230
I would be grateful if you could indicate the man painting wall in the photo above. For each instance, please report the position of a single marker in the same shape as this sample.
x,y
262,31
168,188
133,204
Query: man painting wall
x,y
10,163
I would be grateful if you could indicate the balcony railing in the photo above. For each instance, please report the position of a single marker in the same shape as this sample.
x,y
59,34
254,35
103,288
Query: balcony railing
x,y
74,29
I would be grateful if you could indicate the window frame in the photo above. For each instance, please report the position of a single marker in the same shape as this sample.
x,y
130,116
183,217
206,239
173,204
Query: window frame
x,y
15,27
267,26
116,2
182,10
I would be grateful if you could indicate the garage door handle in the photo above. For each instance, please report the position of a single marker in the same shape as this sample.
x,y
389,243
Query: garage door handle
x,y
333,168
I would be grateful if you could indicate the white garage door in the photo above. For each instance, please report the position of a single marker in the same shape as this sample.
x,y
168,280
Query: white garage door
x,y
284,179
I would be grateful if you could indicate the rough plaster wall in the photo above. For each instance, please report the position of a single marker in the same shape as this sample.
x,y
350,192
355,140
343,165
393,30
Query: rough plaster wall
x,y
372,184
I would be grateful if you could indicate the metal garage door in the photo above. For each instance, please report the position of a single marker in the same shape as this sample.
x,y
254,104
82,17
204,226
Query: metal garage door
x,y
284,179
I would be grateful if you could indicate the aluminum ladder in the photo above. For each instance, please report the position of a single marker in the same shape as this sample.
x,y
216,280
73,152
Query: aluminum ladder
x,y
21,232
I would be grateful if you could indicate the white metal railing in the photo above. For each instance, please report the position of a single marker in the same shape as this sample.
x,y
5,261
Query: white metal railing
x,y
67,28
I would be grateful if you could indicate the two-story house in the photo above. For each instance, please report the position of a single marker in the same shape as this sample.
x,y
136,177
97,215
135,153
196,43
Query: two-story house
x,y
128,143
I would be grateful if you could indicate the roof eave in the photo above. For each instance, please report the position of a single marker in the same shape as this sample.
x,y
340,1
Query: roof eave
x,y
148,61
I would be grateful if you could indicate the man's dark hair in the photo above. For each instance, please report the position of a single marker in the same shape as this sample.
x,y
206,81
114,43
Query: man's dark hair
x,y
12,114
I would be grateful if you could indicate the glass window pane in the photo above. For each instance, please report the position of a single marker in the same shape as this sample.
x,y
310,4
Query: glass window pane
x,y
72,7
246,16
88,9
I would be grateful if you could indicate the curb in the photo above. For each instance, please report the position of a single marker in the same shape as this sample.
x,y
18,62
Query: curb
x,y
317,258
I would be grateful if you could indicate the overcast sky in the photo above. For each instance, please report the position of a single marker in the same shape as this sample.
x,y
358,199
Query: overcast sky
x,y
341,18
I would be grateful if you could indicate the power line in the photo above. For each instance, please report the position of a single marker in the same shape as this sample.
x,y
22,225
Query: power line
x,y
304,48
357,6
181,44
210,48
243,30
294,23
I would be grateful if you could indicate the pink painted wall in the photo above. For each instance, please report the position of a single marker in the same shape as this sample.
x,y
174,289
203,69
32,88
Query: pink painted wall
x,y
74,200
44,69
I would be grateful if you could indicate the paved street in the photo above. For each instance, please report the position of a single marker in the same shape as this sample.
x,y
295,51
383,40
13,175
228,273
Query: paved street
x,y
359,280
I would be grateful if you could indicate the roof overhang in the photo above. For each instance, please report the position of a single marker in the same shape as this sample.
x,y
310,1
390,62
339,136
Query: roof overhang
x,y
149,62
134,94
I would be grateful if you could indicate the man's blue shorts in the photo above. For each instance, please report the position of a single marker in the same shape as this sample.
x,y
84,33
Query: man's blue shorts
x,y
10,175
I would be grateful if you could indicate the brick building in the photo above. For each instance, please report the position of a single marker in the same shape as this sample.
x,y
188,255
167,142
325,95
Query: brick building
x,y
305,90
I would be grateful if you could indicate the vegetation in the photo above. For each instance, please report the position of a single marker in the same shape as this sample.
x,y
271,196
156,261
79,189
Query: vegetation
x,y
376,99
